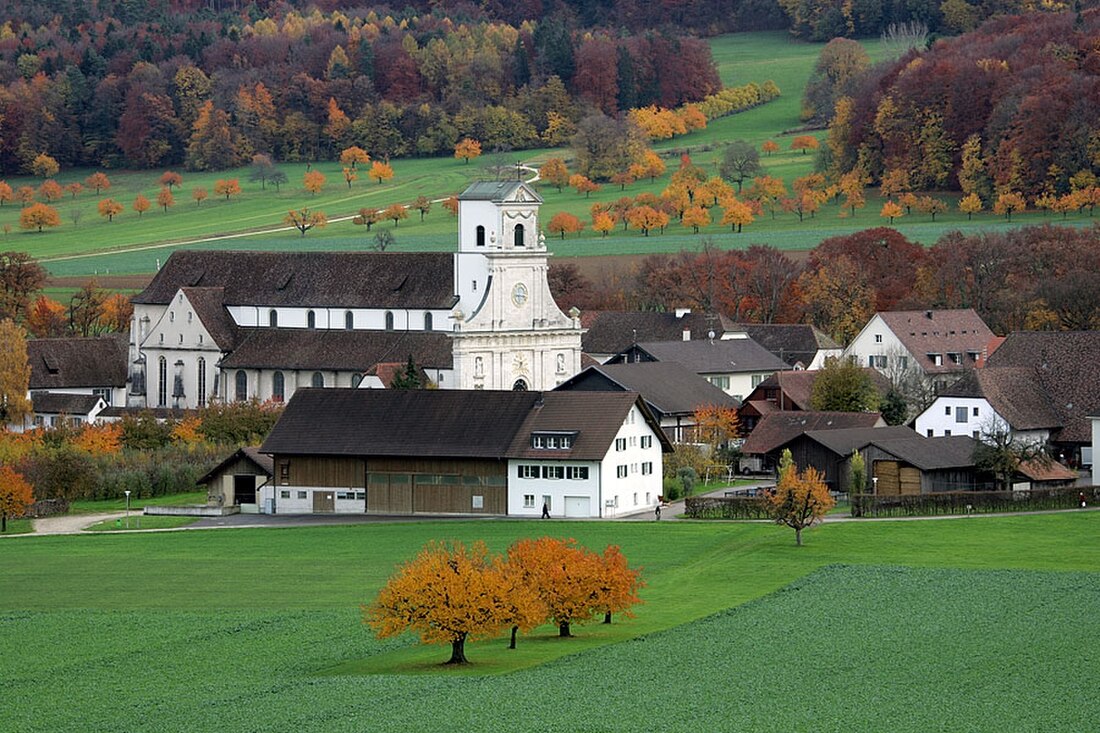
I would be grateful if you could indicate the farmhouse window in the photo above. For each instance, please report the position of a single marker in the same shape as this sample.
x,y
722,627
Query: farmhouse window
x,y
620,471
527,471
427,321
553,472
480,236
389,321
975,412
620,444
647,468
284,475
961,414
284,494
528,501
576,473
647,441
302,495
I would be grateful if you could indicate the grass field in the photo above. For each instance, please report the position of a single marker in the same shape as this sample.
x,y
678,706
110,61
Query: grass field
x,y
970,625
149,239
140,521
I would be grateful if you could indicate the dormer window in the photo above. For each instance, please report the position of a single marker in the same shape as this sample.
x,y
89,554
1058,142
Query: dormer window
x,y
936,359
553,441
954,358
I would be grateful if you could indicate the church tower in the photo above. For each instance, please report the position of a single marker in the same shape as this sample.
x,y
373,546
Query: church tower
x,y
513,335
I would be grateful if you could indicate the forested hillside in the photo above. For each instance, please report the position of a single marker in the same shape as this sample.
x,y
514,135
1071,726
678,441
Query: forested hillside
x,y
1012,108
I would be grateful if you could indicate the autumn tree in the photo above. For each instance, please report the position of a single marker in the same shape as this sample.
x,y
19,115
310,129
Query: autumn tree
x,y
313,181
380,171
737,214
644,218
303,219
170,179
652,165
165,199
353,156
44,166
50,191
602,222
841,385
350,175
931,205
37,216
837,298
563,222
214,143
804,143
6,192
451,204
15,373
467,148
582,184
695,217
604,146
367,217
46,318
395,212
141,204
768,191
25,194
715,427
86,309
554,172
449,593
800,498
769,147
74,189
1007,203
227,187
198,193
566,577
98,181
891,211
970,204
740,163
116,313
16,495
109,208
423,204
20,276
261,169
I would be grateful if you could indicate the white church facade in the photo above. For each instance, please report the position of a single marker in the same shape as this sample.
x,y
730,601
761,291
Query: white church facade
x,y
219,325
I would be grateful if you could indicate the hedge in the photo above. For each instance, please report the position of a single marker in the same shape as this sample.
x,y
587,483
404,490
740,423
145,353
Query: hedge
x,y
726,507
971,502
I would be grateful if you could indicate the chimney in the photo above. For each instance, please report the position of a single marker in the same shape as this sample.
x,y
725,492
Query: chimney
x,y
681,312
687,334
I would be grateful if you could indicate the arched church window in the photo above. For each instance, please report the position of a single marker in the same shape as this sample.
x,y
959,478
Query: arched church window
x,y
519,386
427,321
519,236
318,380
273,318
389,321
311,320
278,387
481,236
349,320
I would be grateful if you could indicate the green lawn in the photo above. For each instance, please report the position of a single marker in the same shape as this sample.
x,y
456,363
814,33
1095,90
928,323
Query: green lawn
x,y
140,521
96,506
19,526
259,630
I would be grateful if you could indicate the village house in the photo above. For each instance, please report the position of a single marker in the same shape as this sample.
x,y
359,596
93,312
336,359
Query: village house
x,y
775,430
936,346
735,365
789,392
672,392
413,452
608,333
801,345
242,325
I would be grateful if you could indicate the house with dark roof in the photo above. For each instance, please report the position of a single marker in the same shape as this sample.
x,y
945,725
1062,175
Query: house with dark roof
x,y
775,430
790,391
898,460
671,391
608,333
415,452
1040,385
241,325
801,345
53,409
937,346
735,365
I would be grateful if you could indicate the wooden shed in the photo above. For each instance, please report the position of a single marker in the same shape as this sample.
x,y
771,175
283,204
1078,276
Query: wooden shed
x,y
237,480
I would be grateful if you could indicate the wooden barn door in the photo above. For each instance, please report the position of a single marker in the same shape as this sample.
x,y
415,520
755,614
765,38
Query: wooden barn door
x,y
324,502
889,478
909,480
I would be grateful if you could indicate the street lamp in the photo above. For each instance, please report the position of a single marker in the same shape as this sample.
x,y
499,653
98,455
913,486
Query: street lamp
x,y
127,492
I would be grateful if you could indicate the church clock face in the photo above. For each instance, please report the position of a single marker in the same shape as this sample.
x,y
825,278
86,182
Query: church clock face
x,y
519,294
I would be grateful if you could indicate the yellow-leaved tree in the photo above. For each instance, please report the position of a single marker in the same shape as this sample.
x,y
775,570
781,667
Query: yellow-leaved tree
x,y
449,593
15,373
800,498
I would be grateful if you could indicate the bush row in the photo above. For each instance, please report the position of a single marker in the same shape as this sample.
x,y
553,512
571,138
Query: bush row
x,y
971,502
65,472
726,507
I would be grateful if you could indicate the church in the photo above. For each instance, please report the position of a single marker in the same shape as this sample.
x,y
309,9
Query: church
x,y
224,325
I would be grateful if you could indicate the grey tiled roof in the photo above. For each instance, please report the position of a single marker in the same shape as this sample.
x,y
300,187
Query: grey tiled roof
x,y
732,356
609,332
1014,392
791,342
321,279
209,306
496,191
779,428
301,348
957,331
668,387
59,403
78,362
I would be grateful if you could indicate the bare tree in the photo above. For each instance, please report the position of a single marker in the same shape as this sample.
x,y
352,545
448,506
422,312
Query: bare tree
x,y
899,38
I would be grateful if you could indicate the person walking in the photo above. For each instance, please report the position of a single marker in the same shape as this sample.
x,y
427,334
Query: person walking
x,y
545,510
657,511
1081,499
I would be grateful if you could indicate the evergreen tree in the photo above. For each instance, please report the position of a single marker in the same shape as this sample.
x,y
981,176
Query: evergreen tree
x,y
407,378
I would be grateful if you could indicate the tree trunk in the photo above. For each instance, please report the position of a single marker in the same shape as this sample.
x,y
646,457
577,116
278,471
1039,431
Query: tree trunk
x,y
563,629
458,651
607,617
798,536
3,522
513,644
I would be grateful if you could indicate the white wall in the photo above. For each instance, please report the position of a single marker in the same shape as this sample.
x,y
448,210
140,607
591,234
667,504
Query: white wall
x,y
556,489
876,339
937,419
636,491
300,499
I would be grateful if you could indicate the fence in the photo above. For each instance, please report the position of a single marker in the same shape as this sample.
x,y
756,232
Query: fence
x,y
971,502
725,507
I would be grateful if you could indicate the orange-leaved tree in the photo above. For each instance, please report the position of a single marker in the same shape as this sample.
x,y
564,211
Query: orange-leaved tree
x,y
109,208
396,212
603,222
804,143
799,498
227,187
199,194
380,171
50,191
303,219
769,147
619,584
970,204
695,217
891,211
170,179
15,373
451,204
467,148
522,608
99,181
15,495
565,576
449,593
165,198
44,166
37,216
141,204
350,175
715,426
554,172
563,222
46,318
367,217
353,156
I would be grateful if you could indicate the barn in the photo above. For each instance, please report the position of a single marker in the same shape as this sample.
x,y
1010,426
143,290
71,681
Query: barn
x,y
467,452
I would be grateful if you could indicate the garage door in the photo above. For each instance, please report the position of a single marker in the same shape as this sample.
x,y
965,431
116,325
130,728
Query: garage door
x,y
577,506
